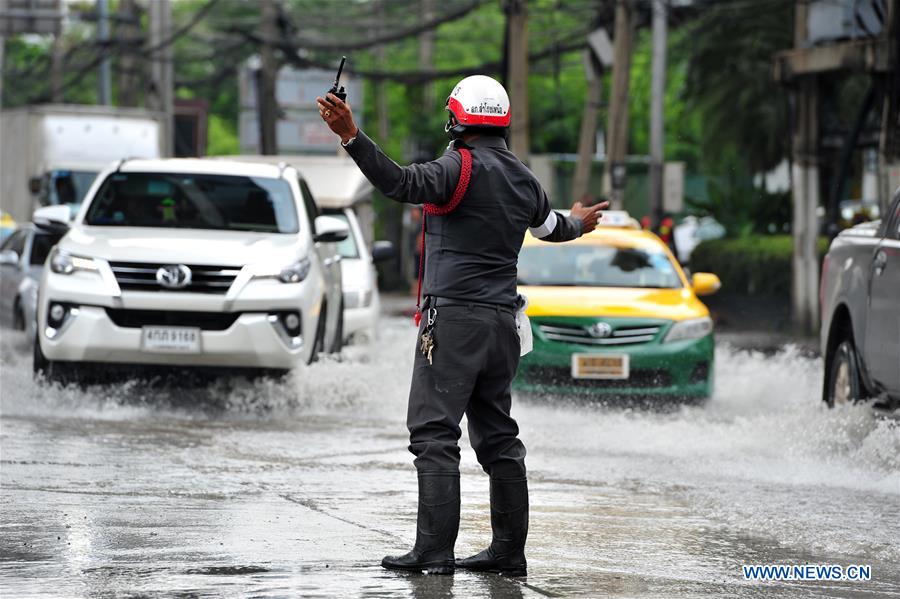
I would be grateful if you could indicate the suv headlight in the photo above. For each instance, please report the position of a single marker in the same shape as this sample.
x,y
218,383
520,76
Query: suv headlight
x,y
65,264
295,272
690,329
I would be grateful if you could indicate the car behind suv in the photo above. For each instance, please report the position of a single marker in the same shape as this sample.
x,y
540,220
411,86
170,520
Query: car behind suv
x,y
22,258
191,263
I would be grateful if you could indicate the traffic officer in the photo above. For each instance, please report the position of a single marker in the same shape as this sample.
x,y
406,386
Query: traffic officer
x,y
469,344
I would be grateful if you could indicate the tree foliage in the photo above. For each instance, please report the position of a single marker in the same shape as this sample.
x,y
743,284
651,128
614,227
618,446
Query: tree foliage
x,y
720,100
683,123
730,48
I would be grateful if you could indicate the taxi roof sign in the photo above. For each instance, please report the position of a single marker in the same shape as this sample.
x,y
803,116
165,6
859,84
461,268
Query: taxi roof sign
x,y
612,218
618,218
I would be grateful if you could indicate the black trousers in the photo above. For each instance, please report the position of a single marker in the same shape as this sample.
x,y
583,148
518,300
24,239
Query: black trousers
x,y
476,353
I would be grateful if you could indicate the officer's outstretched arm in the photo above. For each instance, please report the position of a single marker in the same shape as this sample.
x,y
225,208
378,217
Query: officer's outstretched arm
x,y
550,225
432,182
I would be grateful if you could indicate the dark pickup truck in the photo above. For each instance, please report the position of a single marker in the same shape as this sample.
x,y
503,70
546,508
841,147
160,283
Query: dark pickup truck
x,y
860,297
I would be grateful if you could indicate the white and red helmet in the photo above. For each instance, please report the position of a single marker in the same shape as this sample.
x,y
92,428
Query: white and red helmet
x,y
477,101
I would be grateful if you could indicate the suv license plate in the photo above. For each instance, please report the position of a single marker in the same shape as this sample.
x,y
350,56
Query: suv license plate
x,y
600,366
177,340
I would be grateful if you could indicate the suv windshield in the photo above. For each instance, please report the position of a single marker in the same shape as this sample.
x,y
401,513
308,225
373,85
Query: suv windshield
x,y
596,266
187,201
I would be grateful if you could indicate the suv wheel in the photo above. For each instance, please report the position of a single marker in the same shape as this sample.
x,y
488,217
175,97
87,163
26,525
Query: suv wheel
x,y
319,341
844,382
39,363
338,342
18,317
53,371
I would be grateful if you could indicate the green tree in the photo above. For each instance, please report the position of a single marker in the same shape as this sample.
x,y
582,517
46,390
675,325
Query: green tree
x,y
730,48
683,124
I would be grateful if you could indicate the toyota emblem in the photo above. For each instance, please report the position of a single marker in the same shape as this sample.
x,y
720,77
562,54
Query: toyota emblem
x,y
174,276
601,330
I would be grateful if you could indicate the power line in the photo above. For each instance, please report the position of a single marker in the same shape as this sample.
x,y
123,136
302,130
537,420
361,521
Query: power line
x,y
347,46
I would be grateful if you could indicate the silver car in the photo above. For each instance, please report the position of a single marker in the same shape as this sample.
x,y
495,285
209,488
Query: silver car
x,y
860,332
22,257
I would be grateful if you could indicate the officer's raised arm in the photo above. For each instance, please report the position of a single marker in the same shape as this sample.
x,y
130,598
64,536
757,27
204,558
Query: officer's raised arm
x,y
550,225
431,182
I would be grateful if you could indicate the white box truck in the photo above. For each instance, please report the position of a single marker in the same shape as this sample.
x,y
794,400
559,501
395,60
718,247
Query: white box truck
x,y
50,154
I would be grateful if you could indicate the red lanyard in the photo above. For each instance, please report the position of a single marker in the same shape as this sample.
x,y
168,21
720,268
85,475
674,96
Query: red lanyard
x,y
465,173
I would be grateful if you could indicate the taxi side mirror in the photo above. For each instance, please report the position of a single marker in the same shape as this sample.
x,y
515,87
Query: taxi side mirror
x,y
705,283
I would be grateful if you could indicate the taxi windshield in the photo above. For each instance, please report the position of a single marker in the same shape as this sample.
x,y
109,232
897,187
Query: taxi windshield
x,y
580,265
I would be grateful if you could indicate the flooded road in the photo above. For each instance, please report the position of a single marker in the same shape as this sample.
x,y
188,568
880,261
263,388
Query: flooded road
x,y
299,487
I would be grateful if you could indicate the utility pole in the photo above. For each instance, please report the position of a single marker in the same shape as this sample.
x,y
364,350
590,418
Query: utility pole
x,y
160,96
588,135
517,77
56,69
426,53
381,105
805,187
889,146
104,81
617,120
127,32
657,105
2,65
267,103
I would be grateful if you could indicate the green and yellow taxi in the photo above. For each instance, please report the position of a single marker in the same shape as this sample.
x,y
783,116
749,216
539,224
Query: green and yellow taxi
x,y
7,225
613,313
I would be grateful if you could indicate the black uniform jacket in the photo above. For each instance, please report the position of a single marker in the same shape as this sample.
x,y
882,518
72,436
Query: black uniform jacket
x,y
471,253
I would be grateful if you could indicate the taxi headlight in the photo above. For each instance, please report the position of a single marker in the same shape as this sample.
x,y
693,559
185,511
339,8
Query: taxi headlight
x,y
65,264
690,329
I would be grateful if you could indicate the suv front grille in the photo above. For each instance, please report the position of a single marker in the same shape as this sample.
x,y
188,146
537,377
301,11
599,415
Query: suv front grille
x,y
208,321
141,276
573,333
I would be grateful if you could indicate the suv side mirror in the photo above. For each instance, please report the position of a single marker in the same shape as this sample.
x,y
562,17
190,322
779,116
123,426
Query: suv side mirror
x,y
330,230
9,258
382,251
34,185
54,219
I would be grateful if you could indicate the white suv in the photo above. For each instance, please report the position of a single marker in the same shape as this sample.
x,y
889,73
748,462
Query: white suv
x,y
191,263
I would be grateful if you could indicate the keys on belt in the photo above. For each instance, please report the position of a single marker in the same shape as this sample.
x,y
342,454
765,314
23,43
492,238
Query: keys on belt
x,y
426,341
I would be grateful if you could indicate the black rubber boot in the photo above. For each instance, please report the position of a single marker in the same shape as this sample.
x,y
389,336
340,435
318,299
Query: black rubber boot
x,y
509,521
438,523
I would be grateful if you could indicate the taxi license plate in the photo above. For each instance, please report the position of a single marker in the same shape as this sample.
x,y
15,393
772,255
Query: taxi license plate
x,y
600,366
176,340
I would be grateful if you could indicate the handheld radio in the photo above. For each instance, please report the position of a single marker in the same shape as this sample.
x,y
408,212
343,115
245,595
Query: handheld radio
x,y
337,89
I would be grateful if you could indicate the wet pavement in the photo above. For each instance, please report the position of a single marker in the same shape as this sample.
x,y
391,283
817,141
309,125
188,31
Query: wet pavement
x,y
298,487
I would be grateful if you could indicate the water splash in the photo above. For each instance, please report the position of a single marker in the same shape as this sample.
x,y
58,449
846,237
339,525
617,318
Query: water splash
x,y
763,457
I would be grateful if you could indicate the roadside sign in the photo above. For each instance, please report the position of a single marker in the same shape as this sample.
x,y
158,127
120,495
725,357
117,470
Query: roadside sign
x,y
617,175
30,16
673,187
600,44
300,128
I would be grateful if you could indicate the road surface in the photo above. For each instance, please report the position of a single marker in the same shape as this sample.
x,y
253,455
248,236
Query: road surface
x,y
298,487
